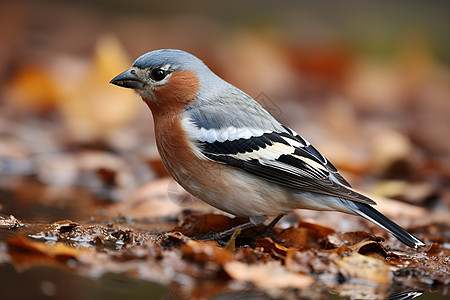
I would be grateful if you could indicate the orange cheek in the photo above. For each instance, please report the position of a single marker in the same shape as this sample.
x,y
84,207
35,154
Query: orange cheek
x,y
181,89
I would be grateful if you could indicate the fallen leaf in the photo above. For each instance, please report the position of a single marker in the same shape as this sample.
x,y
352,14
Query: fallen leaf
x,y
312,261
365,268
197,224
276,250
206,252
352,239
305,235
25,253
269,275
231,244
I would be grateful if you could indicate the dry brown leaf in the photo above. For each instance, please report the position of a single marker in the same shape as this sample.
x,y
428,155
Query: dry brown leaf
x,y
206,252
354,240
251,256
305,235
270,275
312,261
276,250
365,268
25,253
197,224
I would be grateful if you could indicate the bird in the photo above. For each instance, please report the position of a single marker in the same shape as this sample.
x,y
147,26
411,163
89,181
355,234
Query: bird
x,y
224,148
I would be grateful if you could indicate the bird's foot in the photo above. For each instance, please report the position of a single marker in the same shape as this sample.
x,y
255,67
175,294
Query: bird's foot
x,y
267,231
219,237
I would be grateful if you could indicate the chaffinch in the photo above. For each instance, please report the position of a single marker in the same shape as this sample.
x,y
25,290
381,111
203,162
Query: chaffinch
x,y
224,148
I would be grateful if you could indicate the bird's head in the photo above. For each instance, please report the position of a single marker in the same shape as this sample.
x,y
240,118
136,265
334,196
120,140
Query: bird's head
x,y
167,77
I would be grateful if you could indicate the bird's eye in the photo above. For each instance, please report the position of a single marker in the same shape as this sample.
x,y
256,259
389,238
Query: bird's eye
x,y
158,74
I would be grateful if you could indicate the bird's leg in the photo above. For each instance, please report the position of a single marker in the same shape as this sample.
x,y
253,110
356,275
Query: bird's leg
x,y
267,231
230,231
273,223
220,235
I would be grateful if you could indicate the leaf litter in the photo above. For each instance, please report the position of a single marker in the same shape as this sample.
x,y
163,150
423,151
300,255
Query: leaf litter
x,y
305,255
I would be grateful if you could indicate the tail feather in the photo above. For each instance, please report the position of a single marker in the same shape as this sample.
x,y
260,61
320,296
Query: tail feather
x,y
405,295
368,212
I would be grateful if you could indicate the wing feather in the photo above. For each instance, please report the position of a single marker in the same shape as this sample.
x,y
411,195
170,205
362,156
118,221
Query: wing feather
x,y
281,157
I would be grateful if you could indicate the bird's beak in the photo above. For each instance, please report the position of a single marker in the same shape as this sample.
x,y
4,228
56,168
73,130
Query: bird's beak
x,y
127,79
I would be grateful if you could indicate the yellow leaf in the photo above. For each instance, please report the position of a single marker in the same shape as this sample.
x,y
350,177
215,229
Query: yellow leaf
x,y
94,108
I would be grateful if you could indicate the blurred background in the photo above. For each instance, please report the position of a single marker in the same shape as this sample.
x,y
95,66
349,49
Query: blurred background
x,y
367,82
